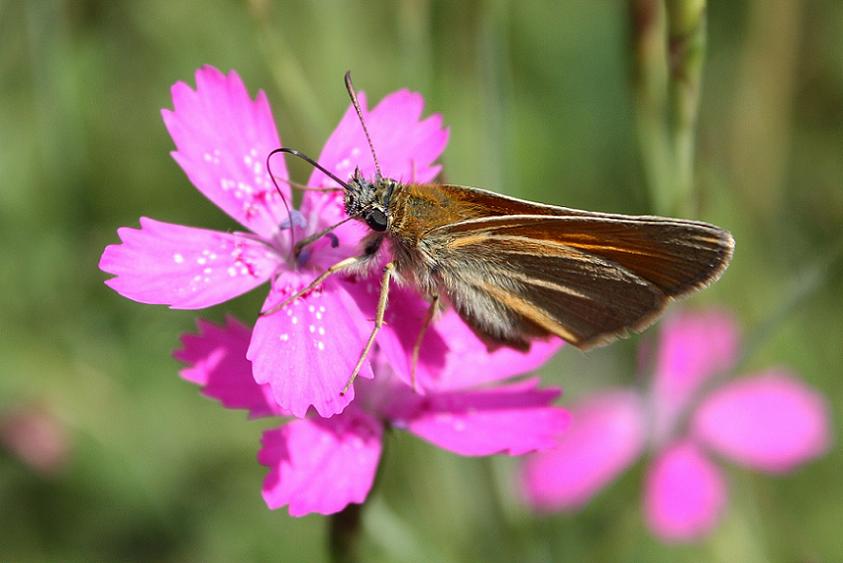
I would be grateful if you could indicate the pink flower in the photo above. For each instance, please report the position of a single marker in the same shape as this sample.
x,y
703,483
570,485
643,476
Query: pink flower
x,y
33,434
306,352
323,464
769,421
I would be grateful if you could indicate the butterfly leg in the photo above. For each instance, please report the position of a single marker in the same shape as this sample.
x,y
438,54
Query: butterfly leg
x,y
345,264
382,299
428,318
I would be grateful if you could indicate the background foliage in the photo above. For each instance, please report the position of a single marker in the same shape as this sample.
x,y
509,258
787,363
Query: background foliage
x,y
538,98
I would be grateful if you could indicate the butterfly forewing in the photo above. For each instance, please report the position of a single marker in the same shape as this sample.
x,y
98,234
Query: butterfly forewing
x,y
587,278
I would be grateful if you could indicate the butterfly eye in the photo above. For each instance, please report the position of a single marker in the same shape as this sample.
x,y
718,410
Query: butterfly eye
x,y
376,219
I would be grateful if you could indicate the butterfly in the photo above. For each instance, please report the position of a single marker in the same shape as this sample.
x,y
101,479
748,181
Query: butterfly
x,y
515,270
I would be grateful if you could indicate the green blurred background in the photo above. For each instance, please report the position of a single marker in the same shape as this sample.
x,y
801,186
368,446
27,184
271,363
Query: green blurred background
x,y
540,103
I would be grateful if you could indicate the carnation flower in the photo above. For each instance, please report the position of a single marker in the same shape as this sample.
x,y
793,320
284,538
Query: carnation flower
x,y
769,421
305,352
322,465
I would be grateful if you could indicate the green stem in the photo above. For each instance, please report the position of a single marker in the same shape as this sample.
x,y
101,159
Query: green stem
x,y
668,43
649,83
687,41
344,534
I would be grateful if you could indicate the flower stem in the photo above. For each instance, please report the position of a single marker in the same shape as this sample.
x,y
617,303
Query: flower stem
x,y
668,42
649,83
686,40
344,534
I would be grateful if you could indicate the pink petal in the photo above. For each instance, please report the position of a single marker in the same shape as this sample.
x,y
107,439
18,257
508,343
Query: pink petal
x,y
321,465
771,422
307,351
451,355
514,420
606,434
185,267
406,145
222,138
694,346
216,361
469,362
403,320
685,494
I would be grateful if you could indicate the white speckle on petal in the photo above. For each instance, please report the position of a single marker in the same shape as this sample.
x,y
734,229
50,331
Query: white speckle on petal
x,y
355,152
201,260
459,425
311,308
312,329
178,258
232,271
284,337
321,331
320,345
318,316
294,320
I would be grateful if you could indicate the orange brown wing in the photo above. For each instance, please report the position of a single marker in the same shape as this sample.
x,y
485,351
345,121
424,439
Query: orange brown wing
x,y
587,278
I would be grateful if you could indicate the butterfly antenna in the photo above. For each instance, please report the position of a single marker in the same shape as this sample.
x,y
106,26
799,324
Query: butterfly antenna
x,y
310,161
353,95
296,247
283,199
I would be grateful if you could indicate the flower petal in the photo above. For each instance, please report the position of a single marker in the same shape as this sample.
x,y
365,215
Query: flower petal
x,y
469,362
515,419
451,355
406,145
222,138
694,346
771,421
606,435
402,322
307,351
685,494
321,465
215,360
184,267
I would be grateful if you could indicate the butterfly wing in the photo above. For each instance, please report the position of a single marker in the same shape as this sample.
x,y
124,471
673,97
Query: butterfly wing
x,y
588,278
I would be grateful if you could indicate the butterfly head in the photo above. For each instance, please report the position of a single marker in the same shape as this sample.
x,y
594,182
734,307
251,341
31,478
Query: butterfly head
x,y
369,201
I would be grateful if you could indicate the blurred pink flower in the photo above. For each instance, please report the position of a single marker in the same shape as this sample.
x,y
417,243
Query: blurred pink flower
x,y
769,421
323,464
306,352
35,436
